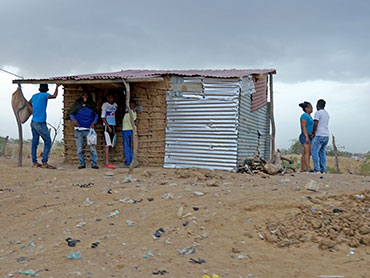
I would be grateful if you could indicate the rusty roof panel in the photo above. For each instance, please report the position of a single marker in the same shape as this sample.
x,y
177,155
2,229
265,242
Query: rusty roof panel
x,y
126,74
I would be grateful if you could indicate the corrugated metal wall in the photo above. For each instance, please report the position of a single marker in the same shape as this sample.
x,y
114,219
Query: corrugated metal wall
x,y
202,125
252,122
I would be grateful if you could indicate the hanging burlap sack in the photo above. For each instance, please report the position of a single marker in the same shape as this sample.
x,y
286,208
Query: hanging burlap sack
x,y
19,103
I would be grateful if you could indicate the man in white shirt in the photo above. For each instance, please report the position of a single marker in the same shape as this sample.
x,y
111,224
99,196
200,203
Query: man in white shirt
x,y
321,139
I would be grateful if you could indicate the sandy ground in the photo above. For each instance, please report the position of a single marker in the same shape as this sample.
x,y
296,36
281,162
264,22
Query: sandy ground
x,y
241,226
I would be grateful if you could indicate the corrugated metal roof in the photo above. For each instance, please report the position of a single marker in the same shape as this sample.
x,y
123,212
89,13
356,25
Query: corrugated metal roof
x,y
126,74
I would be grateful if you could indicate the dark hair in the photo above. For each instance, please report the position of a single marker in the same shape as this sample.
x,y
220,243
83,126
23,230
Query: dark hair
x,y
44,88
321,103
304,105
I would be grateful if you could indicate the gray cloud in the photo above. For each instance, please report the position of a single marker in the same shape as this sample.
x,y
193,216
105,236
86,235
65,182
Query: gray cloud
x,y
304,40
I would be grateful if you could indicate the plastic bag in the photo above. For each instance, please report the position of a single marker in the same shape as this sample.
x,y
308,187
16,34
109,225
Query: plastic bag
x,y
91,137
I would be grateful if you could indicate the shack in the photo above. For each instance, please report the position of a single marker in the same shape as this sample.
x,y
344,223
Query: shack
x,y
210,119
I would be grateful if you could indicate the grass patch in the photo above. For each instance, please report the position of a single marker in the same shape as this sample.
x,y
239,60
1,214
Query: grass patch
x,y
365,167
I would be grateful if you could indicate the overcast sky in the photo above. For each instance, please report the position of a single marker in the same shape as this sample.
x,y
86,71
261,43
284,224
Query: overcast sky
x,y
319,48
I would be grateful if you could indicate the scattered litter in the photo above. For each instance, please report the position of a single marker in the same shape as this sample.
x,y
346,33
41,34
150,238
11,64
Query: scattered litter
x,y
72,242
130,223
22,245
98,219
147,255
150,199
243,256
83,185
185,223
88,202
331,276
95,244
109,191
351,252
309,198
74,255
159,272
168,196
158,232
30,272
212,276
195,208
249,220
81,224
186,251
113,213
32,244
359,196
128,179
199,261
198,193
312,186
129,201
336,210
261,236
21,259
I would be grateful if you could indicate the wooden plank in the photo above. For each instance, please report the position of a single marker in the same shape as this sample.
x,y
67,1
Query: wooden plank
x,y
273,129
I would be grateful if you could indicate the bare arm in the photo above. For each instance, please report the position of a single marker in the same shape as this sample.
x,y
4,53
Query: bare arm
x,y
55,92
30,106
106,124
315,122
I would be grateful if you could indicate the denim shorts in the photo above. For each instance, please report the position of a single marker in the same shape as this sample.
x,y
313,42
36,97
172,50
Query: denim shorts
x,y
302,138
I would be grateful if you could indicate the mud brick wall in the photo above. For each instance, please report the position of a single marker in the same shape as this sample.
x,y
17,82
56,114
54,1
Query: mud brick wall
x,y
151,122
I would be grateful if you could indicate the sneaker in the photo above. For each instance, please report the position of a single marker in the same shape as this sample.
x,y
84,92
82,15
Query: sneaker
x,y
95,167
81,167
313,171
124,166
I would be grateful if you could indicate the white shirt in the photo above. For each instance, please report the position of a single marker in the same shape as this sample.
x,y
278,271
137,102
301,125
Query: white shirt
x,y
323,123
108,111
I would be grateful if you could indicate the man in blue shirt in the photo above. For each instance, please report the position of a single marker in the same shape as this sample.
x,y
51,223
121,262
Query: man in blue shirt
x,y
84,116
38,103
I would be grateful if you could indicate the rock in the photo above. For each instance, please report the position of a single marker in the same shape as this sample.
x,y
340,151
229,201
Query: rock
x,y
179,212
213,182
312,186
327,244
108,174
366,240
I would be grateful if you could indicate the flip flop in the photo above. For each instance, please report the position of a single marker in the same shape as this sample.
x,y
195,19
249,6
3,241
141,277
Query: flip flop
x,y
110,166
47,166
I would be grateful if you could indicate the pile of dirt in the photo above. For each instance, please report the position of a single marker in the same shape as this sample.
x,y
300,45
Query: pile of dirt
x,y
327,221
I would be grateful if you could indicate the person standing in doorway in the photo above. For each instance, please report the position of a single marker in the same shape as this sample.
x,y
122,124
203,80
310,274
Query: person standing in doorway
x,y
84,116
321,139
127,134
306,134
38,104
108,115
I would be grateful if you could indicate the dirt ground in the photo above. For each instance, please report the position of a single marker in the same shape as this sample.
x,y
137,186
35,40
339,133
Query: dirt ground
x,y
240,225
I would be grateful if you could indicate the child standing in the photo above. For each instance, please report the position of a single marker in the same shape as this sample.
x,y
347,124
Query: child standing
x,y
108,115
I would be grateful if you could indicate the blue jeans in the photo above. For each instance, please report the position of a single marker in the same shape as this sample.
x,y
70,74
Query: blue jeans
x,y
127,139
318,151
40,129
81,138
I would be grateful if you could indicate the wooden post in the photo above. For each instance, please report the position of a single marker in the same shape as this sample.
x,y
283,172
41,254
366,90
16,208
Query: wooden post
x,y
272,119
4,146
336,156
134,128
